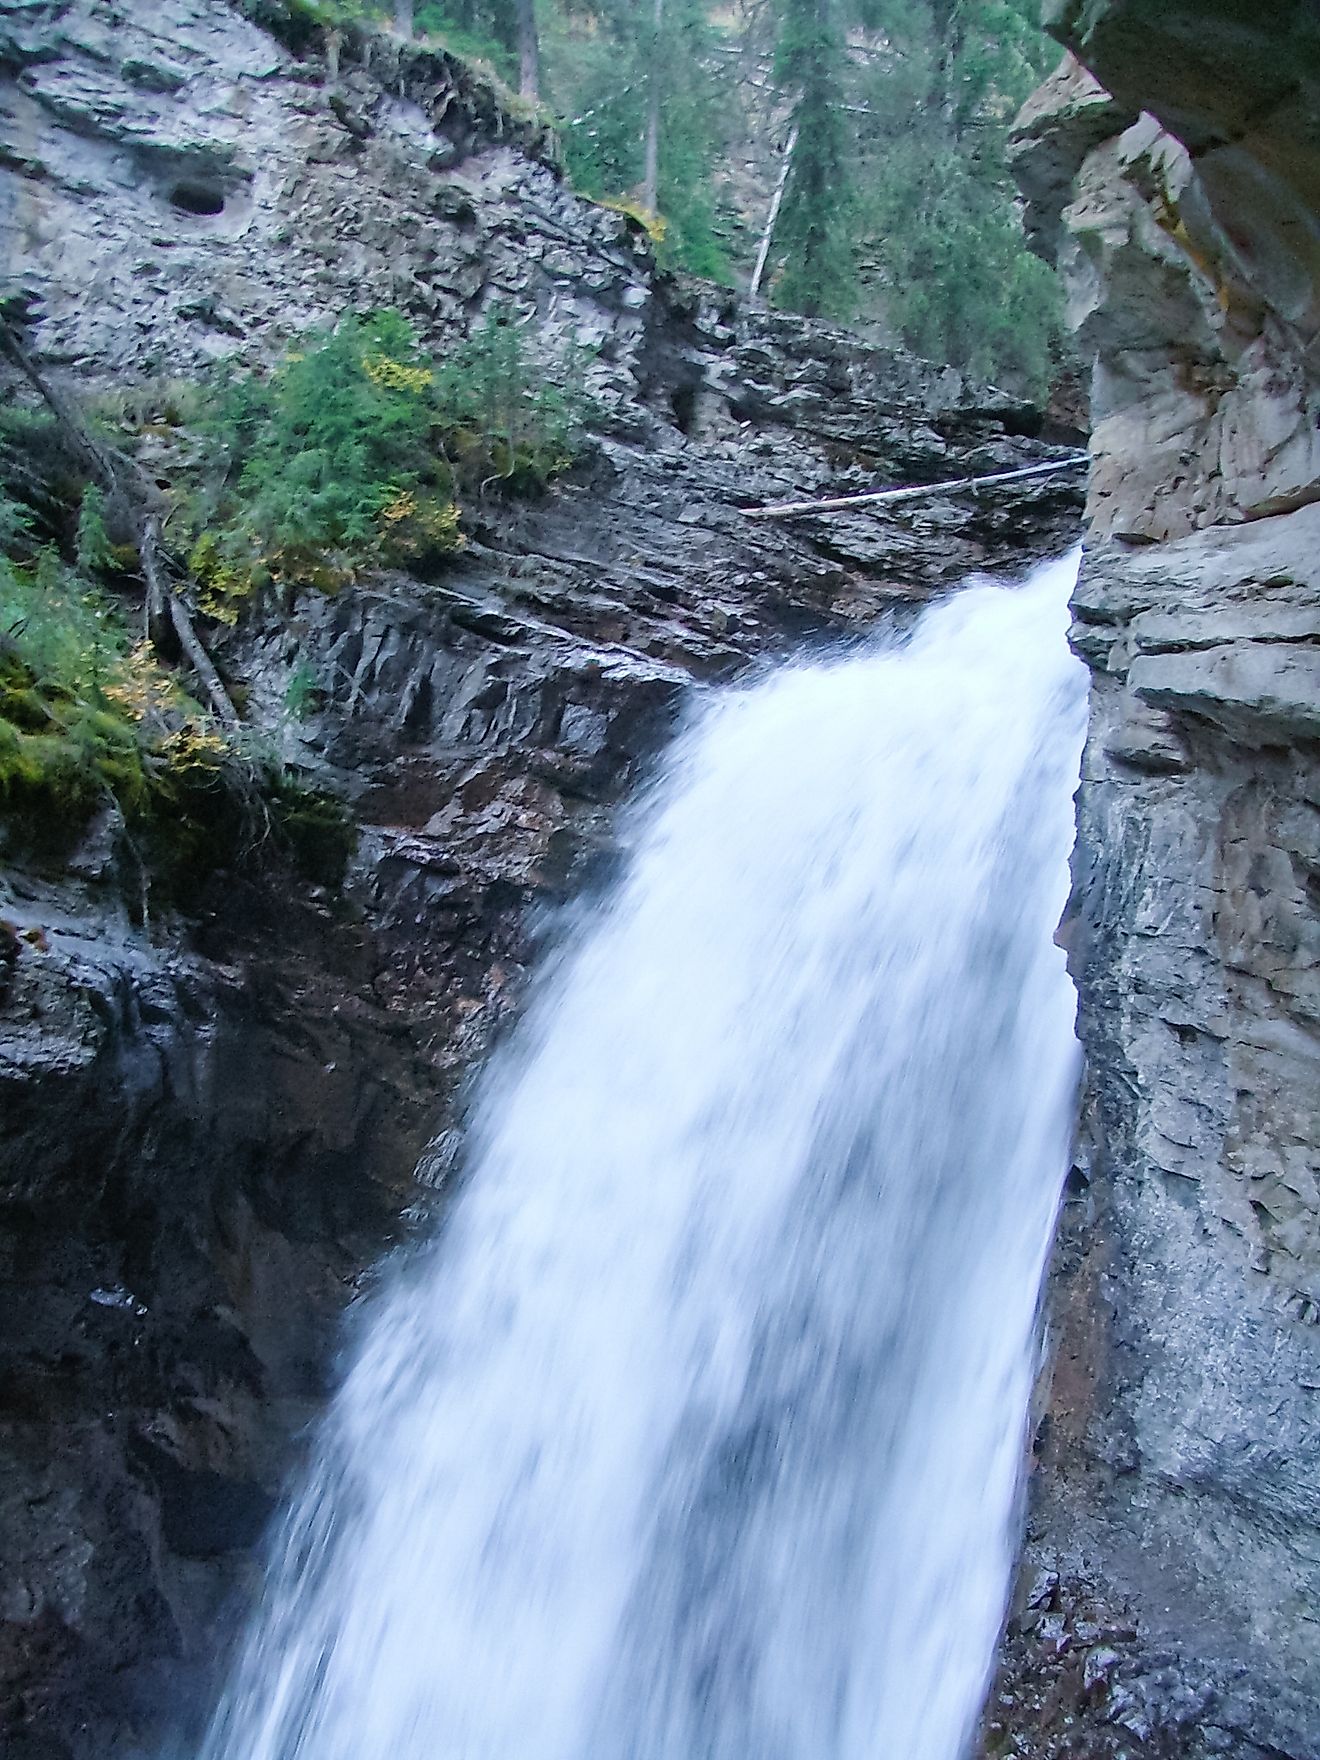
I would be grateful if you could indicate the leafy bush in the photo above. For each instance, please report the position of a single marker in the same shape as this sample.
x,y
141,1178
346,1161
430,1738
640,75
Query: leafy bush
x,y
352,453
502,423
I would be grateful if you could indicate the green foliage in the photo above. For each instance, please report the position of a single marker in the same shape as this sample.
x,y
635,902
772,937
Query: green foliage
x,y
352,452
321,448
15,522
503,421
93,548
219,803
301,692
937,212
88,720
899,209
66,743
602,64
958,283
315,828
475,32
62,629
295,23
818,276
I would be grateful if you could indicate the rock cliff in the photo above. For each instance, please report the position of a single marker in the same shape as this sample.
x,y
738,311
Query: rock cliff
x,y
214,1122
1169,1593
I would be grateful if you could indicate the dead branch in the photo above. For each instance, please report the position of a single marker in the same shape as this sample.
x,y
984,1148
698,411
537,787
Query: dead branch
x,y
131,490
877,497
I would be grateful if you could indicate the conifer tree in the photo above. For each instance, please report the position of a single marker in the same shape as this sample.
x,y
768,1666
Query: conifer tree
x,y
646,88
818,276
937,222
897,207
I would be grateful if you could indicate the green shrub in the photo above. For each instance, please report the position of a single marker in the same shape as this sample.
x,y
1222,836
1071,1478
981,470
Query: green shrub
x,y
86,720
353,451
62,628
317,451
66,745
503,420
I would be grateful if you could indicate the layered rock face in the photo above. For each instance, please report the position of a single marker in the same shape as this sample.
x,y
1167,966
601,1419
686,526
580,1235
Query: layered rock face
x,y
1168,1602
214,1123
1182,150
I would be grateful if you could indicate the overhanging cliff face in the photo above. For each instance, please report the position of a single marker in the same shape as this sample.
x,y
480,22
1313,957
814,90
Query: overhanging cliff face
x,y
1169,1599
1180,188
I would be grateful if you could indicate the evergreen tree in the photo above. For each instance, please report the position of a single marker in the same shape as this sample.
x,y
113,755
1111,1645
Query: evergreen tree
x,y
937,219
642,91
898,207
818,276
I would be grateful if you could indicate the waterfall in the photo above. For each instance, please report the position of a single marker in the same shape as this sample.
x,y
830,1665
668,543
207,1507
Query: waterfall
x,y
696,1432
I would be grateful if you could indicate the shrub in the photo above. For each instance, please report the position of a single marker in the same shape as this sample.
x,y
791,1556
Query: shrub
x,y
317,452
66,744
352,451
503,421
87,720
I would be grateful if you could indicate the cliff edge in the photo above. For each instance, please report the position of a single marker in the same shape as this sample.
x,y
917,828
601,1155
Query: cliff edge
x,y
1168,1599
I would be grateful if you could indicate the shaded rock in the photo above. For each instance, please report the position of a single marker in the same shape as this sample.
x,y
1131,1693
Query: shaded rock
x,y
1175,1471
1189,242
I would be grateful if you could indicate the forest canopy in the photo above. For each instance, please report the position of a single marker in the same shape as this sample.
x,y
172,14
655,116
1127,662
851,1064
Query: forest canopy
x,y
845,158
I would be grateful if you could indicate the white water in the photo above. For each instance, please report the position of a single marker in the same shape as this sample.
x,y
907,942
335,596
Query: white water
x,y
696,1434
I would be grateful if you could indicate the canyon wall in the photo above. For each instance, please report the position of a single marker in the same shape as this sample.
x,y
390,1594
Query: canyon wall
x,y
213,1122
1170,1596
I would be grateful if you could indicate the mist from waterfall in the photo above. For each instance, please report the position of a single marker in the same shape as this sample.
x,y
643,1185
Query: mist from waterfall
x,y
696,1432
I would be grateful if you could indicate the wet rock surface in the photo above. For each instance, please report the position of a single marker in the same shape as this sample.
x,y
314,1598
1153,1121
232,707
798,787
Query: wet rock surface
x,y
1175,1485
1167,1601
215,1122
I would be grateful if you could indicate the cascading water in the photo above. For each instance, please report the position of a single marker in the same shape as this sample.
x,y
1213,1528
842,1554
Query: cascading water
x,y
696,1433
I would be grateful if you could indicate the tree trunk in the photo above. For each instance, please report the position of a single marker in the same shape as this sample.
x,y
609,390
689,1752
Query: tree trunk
x,y
776,202
529,53
128,488
1076,461
403,17
651,160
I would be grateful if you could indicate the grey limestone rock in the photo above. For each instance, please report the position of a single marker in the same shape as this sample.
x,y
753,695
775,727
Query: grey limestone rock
x,y
1175,1494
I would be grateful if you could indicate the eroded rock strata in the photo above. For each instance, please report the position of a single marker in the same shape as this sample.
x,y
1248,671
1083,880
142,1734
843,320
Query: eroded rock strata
x,y
1169,1596
215,1121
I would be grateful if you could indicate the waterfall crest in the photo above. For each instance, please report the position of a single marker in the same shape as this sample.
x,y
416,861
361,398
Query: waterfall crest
x,y
696,1432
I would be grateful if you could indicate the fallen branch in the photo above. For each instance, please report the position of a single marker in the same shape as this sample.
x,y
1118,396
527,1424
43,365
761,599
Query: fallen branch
x,y
130,490
161,598
878,497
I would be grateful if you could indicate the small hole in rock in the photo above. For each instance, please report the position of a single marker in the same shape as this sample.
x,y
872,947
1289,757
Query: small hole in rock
x,y
198,198
1077,1184
683,401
